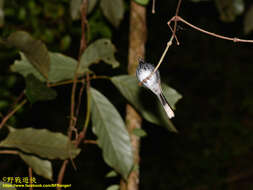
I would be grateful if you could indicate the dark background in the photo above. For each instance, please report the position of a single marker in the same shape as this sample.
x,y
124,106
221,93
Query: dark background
x,y
213,149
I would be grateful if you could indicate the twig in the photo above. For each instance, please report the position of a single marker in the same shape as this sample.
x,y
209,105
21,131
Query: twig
x,y
175,23
80,97
99,77
90,142
72,122
168,44
61,173
175,35
7,117
171,39
87,117
73,118
30,171
17,100
178,18
8,152
78,81
153,7
63,83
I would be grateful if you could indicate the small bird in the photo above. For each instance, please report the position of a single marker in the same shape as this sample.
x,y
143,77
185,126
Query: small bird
x,y
153,83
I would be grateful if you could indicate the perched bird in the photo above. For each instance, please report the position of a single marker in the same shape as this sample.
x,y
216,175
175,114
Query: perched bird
x,y
153,83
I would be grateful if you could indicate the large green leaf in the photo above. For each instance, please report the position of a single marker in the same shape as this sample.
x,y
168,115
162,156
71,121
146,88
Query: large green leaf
x,y
144,102
100,50
112,135
37,90
113,10
42,142
62,68
35,51
39,166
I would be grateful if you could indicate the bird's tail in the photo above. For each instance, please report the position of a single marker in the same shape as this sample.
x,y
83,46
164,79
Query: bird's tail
x,y
166,106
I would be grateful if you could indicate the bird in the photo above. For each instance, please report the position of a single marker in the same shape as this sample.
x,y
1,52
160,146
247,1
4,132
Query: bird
x,y
152,81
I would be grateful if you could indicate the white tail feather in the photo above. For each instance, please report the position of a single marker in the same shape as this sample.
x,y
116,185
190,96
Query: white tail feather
x,y
169,111
166,105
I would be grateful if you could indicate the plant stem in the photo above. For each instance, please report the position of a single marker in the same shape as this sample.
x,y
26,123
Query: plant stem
x,y
11,113
73,119
8,152
30,171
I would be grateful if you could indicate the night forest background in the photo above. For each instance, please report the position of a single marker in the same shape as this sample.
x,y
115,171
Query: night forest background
x,y
213,146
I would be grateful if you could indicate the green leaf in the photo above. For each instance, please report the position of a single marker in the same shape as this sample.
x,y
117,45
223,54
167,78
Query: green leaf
x,y
91,5
42,142
35,51
142,2
151,110
139,132
62,68
39,166
75,9
6,186
113,10
38,91
100,50
113,137
112,173
113,187
75,6
248,21
24,68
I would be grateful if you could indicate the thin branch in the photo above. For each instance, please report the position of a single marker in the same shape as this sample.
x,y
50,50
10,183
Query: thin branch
x,y
61,173
99,77
73,119
178,18
153,7
90,142
17,100
168,44
7,117
171,39
30,171
175,23
78,81
175,35
87,117
9,152
63,83
80,97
